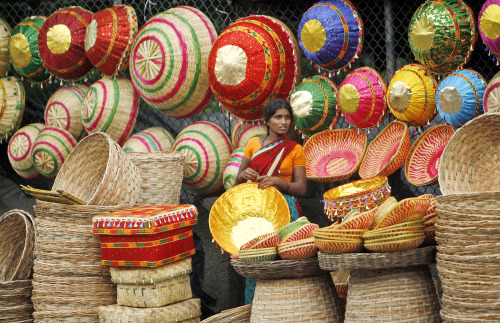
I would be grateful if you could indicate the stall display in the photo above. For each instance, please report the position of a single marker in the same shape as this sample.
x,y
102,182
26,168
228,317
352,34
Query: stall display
x,y
241,133
232,167
488,21
5,32
491,99
20,150
12,106
149,140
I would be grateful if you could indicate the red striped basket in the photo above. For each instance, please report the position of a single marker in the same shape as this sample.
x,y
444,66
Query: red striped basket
x,y
242,132
232,168
149,140
20,149
50,150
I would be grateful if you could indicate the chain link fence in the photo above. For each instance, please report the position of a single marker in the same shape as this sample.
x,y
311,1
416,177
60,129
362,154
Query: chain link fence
x,y
385,49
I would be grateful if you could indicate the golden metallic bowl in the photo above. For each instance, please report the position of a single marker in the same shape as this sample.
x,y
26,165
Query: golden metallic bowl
x,y
245,212
356,188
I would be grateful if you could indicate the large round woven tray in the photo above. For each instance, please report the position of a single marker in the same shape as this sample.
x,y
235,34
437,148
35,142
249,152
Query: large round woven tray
x,y
413,257
278,269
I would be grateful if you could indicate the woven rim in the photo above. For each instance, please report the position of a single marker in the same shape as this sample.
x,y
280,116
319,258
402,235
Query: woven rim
x,y
407,210
278,269
470,203
19,149
237,315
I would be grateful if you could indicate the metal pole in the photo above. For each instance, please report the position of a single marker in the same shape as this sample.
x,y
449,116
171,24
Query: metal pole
x,y
389,39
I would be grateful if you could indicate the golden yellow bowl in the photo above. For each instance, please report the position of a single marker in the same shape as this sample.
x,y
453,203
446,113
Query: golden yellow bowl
x,y
245,212
359,187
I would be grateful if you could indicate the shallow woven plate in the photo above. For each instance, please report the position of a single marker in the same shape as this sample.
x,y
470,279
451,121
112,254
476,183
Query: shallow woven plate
x,y
331,246
422,162
245,212
400,245
304,232
361,221
267,240
407,210
291,227
393,237
334,155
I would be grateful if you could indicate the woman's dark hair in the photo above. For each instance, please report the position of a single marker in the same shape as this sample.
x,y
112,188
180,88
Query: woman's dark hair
x,y
273,106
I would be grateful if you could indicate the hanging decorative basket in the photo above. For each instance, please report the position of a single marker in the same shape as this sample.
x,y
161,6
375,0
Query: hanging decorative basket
x,y
168,61
491,99
411,95
109,37
362,98
149,140
422,162
241,133
232,168
488,21
442,34
62,43
12,101
207,149
331,34
50,150
20,150
5,32
23,49
63,109
459,97
314,105
334,155
111,106
387,152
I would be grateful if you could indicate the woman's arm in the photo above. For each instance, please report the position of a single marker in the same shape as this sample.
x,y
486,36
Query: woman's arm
x,y
245,173
296,188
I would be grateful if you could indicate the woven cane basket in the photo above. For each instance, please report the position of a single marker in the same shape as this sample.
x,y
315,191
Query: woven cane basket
x,y
237,315
20,150
63,109
161,177
99,173
149,140
308,299
232,167
242,132
12,99
278,269
15,301
491,99
5,32
23,49
51,148
109,36
469,163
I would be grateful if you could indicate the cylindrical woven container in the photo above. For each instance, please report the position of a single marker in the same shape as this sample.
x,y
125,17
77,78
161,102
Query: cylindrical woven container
x,y
362,98
99,173
149,140
15,301
111,106
331,34
16,245
168,61
232,167
62,43
459,97
20,150
161,176
51,149
411,95
207,149
63,109
241,133
314,105
23,49
109,36
491,99
308,299
468,163
488,20
443,34
12,105
5,31
387,152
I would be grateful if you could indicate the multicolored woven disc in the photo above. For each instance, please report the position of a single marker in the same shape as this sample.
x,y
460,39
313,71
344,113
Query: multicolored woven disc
x,y
331,34
442,34
232,168
5,31
489,26
362,97
168,61
12,103
148,140
314,105
411,95
20,146
491,100
23,49
459,97
109,36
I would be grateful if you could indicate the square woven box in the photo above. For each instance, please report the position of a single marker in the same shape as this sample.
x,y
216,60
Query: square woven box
x,y
146,236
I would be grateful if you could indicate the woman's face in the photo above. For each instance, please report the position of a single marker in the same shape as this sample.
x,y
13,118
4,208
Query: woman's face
x,y
280,122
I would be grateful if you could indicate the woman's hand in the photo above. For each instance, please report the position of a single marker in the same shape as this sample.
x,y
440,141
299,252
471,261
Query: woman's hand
x,y
266,181
248,174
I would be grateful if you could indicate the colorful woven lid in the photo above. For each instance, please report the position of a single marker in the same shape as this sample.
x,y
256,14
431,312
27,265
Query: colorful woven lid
x,y
422,162
362,98
333,155
331,34
242,132
387,151
111,106
207,149
63,109
459,97
62,43
314,105
411,95
5,32
145,220
168,61
442,34
12,100
491,99
20,147
109,37
489,26
148,140
23,49
232,168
